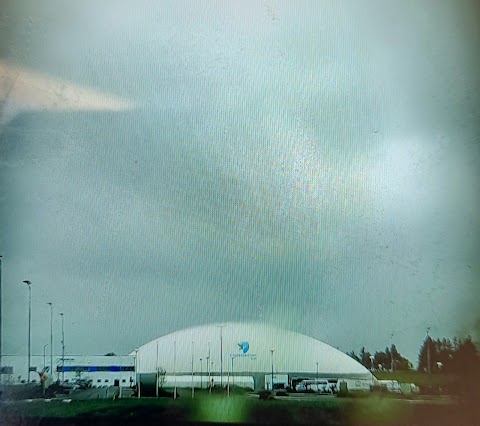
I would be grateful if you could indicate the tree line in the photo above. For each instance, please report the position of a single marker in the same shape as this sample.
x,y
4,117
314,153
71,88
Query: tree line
x,y
382,360
448,356
435,357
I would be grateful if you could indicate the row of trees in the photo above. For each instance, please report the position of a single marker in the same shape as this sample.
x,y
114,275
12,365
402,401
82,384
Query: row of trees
x,y
382,360
435,356
448,356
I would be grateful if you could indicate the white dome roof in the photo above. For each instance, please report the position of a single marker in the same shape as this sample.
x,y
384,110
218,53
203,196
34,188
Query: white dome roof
x,y
293,352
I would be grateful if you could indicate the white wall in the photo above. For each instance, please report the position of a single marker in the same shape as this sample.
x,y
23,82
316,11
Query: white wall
x,y
20,368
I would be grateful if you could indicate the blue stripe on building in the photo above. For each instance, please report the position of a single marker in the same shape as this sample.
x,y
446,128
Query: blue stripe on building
x,y
90,368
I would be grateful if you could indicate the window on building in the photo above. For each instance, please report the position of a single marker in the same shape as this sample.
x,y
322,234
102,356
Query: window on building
x,y
99,380
106,380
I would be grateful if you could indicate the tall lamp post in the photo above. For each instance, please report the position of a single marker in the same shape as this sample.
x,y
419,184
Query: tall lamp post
x,y
372,361
29,284
137,374
207,372
428,350
44,347
208,367
193,384
212,380
51,338
221,355
201,373
391,353
317,369
63,348
175,369
272,351
157,374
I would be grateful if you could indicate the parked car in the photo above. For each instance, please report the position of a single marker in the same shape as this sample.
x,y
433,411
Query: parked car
x,y
82,384
318,385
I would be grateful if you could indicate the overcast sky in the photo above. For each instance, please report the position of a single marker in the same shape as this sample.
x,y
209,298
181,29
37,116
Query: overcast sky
x,y
311,164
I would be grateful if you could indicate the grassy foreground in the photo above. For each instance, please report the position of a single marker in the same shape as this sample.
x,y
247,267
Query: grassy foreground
x,y
372,410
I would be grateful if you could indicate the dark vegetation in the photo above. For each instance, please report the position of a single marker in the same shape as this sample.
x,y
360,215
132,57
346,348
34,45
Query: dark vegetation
x,y
441,356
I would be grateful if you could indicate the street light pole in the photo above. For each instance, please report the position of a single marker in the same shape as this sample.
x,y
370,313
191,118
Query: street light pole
x,y
208,367
208,372
193,385
428,351
212,382
201,373
175,369
391,353
137,376
228,378
44,346
51,338
63,348
157,375
317,369
29,324
272,351
221,355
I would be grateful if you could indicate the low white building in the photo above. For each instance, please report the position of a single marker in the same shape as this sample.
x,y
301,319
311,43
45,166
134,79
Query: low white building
x,y
102,370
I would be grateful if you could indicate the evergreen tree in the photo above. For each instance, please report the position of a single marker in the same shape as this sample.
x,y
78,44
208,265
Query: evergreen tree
x,y
400,363
353,355
364,357
457,356
427,356
466,360
382,360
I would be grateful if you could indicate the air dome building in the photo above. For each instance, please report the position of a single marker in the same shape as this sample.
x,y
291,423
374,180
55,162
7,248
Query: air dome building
x,y
241,354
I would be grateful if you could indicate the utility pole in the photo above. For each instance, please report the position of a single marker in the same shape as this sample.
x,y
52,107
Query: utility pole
x,y
175,369
137,373
272,351
221,355
208,367
29,325
212,381
193,385
63,348
51,338
206,372
44,347
428,351
228,379
372,359
391,353
139,376
157,370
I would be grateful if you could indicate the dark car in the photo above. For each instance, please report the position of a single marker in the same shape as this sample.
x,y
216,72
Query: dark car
x,y
82,384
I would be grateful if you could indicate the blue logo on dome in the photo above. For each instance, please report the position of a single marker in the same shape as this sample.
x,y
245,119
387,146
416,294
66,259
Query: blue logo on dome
x,y
244,347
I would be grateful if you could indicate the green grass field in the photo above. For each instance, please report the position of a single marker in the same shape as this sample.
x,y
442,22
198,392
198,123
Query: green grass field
x,y
374,410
